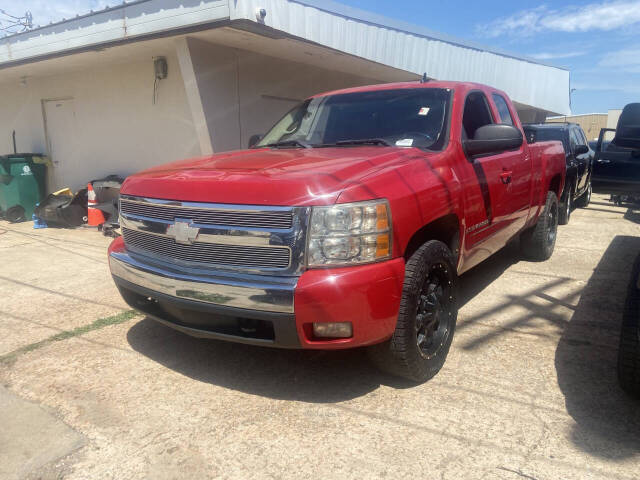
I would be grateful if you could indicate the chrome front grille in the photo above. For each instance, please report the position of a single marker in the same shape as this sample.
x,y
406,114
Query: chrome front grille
x,y
209,253
193,235
232,218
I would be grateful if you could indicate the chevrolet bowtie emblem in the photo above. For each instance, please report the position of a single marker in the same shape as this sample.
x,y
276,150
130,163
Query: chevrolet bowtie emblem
x,y
183,231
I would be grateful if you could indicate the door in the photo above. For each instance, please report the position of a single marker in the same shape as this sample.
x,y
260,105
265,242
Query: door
x,y
577,138
489,190
517,168
616,170
60,131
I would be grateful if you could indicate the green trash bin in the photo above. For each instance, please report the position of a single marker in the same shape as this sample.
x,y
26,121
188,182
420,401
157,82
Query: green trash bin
x,y
23,184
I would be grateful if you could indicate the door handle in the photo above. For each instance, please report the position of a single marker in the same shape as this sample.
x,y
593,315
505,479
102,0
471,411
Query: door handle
x,y
505,176
603,160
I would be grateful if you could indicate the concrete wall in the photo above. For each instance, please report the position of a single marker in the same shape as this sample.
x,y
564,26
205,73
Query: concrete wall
x,y
612,118
116,128
245,93
530,115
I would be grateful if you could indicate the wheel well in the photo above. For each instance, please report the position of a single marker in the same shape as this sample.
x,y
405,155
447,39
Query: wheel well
x,y
446,229
554,185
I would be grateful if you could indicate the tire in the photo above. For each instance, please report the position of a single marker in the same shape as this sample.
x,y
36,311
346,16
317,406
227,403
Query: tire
x,y
538,242
629,350
585,198
15,214
564,209
427,317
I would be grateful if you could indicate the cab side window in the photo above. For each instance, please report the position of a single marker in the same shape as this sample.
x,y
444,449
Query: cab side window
x,y
476,114
583,138
573,140
576,138
503,109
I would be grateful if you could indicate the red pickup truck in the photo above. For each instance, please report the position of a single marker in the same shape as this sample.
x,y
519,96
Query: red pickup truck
x,y
346,225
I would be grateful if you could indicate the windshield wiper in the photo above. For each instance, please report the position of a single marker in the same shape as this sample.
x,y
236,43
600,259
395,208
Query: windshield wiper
x,y
365,141
289,143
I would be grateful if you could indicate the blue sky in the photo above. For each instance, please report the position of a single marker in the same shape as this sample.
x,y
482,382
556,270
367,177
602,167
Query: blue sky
x,y
596,40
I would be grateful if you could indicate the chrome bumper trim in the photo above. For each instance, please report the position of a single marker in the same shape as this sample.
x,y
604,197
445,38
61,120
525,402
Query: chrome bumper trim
x,y
252,292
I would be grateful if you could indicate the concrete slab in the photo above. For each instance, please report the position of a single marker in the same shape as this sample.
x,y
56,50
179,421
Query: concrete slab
x,y
56,280
529,389
31,437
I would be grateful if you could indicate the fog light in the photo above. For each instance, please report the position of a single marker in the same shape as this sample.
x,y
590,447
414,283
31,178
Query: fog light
x,y
333,330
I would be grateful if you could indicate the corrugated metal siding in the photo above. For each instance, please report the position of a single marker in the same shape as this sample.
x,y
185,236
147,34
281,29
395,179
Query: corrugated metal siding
x,y
529,83
109,25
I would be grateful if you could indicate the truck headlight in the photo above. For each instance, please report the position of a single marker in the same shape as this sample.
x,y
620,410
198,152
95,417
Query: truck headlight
x,y
349,234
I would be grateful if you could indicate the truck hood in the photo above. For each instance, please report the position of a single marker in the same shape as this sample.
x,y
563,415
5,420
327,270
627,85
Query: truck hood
x,y
297,176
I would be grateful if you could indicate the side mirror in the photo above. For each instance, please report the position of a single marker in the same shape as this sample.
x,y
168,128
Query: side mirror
x,y
581,150
493,138
253,140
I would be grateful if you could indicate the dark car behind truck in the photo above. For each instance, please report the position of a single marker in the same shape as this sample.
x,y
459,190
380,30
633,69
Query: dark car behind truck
x,y
579,158
616,169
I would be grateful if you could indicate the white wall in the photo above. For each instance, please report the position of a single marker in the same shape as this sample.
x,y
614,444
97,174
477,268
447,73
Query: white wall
x,y
270,87
612,118
530,115
116,128
245,93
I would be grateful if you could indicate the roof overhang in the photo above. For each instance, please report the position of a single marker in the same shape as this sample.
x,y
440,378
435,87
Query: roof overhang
x,y
396,46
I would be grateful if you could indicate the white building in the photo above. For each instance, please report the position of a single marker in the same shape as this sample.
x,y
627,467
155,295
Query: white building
x,y
82,90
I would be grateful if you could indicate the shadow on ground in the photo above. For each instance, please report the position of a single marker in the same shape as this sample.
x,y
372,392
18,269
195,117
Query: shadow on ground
x,y
607,421
299,375
633,214
308,376
480,277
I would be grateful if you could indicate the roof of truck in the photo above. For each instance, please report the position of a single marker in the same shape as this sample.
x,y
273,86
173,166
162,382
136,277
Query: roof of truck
x,y
415,84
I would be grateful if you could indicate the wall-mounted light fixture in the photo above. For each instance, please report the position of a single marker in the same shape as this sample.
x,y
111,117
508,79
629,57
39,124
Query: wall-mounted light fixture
x,y
261,13
160,70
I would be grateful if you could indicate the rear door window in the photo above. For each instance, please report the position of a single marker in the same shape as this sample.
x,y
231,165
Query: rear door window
x,y
503,109
476,114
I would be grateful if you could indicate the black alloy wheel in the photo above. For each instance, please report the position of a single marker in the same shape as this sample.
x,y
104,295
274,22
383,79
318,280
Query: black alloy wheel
x,y
434,312
427,316
538,242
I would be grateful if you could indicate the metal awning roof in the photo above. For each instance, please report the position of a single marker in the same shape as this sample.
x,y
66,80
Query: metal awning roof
x,y
343,29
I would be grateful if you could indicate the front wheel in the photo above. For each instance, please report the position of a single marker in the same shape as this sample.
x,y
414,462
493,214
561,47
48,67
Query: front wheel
x,y
427,317
538,242
585,198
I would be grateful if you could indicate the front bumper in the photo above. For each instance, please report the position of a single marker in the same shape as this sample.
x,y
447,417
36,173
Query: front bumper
x,y
265,310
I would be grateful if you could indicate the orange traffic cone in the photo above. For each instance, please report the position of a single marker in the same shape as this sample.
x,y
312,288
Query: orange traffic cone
x,y
94,215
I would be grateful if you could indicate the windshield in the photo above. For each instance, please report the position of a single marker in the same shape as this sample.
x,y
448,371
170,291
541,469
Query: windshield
x,y
405,118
